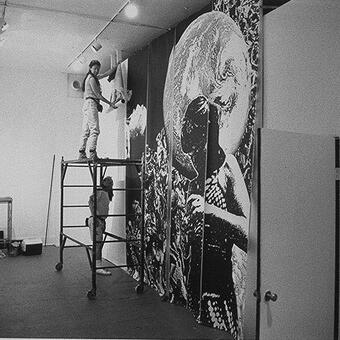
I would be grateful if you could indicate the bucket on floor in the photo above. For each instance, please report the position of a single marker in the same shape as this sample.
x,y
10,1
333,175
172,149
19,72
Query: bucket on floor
x,y
31,246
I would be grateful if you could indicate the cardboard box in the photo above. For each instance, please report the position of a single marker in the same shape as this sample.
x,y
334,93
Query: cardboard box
x,y
31,246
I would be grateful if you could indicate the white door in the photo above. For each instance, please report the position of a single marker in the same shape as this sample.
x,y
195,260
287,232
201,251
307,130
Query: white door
x,y
297,236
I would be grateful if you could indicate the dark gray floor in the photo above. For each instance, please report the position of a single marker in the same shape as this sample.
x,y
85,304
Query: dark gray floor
x,y
38,302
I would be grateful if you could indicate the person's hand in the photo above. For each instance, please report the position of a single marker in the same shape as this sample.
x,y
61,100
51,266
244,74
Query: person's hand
x,y
196,203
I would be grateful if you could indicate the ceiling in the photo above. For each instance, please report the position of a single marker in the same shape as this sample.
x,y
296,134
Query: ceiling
x,y
55,35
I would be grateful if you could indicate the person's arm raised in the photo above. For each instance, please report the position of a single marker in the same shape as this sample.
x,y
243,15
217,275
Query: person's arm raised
x,y
110,71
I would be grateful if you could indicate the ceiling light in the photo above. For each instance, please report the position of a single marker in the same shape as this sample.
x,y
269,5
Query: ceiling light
x,y
96,46
131,10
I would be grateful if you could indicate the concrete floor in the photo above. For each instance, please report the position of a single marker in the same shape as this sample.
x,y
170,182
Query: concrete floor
x,y
39,302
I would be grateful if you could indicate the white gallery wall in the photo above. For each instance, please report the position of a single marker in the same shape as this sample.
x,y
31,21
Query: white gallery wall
x,y
301,67
38,120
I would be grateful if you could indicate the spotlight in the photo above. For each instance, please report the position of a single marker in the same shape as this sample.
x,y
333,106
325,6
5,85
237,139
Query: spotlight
x,y
96,46
131,10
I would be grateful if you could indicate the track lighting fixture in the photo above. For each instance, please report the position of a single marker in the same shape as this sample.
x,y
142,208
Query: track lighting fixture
x,y
96,46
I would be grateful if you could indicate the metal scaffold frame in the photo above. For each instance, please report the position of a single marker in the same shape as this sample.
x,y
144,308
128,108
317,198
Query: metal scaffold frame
x,y
94,166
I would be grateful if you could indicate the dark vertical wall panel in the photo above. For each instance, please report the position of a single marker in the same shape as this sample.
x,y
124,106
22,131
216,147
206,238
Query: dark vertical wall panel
x,y
137,82
136,113
156,157
160,50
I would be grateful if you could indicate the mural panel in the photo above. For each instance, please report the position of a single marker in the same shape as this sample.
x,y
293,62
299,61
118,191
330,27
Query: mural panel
x,y
186,115
201,106
135,141
156,157
215,71
229,174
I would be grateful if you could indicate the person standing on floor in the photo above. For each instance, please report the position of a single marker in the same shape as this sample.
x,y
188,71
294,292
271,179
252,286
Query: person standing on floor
x,y
91,107
104,197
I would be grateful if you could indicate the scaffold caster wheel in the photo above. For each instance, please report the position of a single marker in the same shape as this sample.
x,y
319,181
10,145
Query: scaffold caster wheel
x,y
139,289
59,267
91,294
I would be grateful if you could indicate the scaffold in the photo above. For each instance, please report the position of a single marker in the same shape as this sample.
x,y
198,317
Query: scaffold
x,y
99,167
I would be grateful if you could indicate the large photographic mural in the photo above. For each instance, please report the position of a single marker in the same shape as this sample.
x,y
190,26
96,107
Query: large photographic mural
x,y
201,106
229,180
156,162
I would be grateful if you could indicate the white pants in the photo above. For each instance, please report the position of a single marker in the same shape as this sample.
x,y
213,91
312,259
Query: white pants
x,y
90,127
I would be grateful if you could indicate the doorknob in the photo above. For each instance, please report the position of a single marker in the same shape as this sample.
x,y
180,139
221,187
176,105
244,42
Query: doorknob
x,y
270,296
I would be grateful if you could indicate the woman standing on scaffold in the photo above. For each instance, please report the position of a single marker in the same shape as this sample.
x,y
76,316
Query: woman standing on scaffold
x,y
91,107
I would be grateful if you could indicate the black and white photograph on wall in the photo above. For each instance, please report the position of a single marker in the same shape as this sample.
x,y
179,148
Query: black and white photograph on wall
x,y
229,170
214,78
201,97
184,269
168,167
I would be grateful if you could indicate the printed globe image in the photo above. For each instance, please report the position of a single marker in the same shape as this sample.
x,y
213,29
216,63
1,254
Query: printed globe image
x,y
210,61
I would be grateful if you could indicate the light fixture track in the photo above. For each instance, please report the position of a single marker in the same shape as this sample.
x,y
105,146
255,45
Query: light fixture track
x,y
83,15
51,10
98,34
